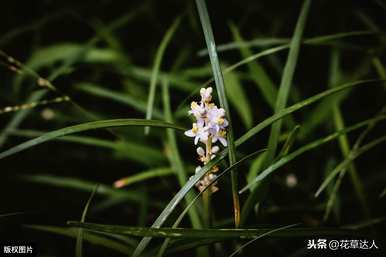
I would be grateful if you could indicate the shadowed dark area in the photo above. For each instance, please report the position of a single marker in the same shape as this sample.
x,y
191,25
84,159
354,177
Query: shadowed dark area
x,y
101,55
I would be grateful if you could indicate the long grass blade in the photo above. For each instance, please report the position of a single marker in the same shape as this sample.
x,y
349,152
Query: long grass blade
x,y
267,42
344,164
156,67
79,238
260,236
249,134
86,186
344,143
96,239
301,105
261,54
258,73
209,233
307,148
36,96
221,91
143,176
341,170
143,154
289,142
175,157
134,102
222,174
238,98
85,127
287,79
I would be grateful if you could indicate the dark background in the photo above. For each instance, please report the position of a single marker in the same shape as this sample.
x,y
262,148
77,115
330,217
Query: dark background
x,y
72,21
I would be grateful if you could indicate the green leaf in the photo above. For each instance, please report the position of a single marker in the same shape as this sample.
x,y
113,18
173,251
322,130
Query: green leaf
x,y
286,80
257,72
289,142
238,98
36,96
222,174
79,238
85,127
337,208
379,67
249,134
177,199
274,166
88,236
209,233
267,41
344,143
221,92
144,175
124,149
270,51
175,157
365,224
260,236
352,156
176,80
341,170
123,98
300,105
178,246
156,67
255,168
86,186
278,49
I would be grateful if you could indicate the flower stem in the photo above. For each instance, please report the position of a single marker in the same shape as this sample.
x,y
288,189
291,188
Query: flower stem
x,y
207,193
206,204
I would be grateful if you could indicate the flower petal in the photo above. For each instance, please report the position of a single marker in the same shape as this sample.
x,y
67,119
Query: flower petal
x,y
189,133
223,141
196,140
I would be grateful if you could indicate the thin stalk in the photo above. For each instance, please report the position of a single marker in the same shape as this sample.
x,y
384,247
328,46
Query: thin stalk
x,y
206,194
206,204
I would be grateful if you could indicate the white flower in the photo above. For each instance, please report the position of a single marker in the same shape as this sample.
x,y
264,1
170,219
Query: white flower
x,y
220,136
216,118
199,132
210,124
206,94
198,110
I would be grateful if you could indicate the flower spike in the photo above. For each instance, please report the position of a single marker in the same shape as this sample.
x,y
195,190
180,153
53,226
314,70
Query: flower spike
x,y
209,127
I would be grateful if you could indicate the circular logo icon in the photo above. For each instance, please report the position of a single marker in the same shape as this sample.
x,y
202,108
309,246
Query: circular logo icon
x,y
333,245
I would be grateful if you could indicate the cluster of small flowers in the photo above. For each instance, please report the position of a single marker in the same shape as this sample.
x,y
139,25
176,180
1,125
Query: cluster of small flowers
x,y
209,128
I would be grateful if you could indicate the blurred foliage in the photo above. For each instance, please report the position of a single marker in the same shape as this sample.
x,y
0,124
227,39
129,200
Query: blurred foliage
x,y
106,64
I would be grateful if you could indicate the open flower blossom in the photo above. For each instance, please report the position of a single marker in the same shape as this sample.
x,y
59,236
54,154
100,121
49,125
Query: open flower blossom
x,y
209,128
